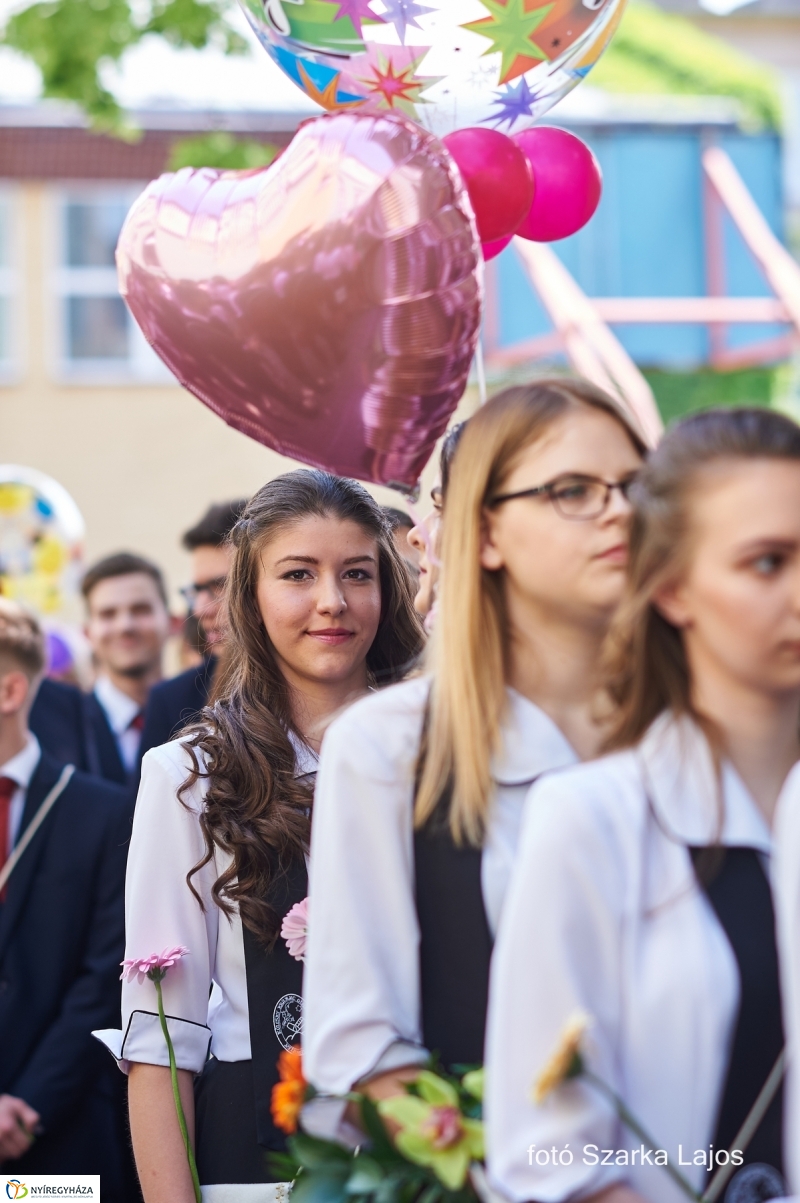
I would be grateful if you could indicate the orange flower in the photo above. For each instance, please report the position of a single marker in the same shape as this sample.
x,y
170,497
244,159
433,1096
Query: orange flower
x,y
289,1094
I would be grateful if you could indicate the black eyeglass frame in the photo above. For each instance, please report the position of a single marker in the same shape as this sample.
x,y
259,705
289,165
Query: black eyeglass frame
x,y
215,587
548,490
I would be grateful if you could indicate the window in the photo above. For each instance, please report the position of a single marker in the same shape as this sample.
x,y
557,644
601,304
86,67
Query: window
x,y
98,339
8,289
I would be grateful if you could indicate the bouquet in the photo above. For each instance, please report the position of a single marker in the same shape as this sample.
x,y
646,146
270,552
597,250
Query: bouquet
x,y
436,1141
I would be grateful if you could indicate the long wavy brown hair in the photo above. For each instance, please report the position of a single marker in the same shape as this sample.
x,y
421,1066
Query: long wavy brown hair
x,y
647,670
255,807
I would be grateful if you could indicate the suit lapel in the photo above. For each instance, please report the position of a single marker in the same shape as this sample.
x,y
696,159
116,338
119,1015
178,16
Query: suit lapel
x,y
44,778
108,755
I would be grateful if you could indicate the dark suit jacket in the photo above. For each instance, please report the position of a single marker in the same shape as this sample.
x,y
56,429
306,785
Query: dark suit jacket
x,y
72,726
62,937
172,704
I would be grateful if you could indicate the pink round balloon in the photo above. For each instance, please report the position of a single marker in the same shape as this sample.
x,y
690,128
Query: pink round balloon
x,y
498,179
491,249
567,183
328,305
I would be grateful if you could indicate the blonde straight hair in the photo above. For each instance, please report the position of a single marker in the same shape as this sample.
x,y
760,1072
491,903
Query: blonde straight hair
x,y
468,654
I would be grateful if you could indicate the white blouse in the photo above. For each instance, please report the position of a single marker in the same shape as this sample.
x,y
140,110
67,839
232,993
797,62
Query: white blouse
x,y
361,979
604,915
787,905
205,993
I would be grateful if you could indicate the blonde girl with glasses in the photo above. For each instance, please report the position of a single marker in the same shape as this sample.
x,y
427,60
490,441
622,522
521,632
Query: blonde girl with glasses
x,y
421,789
641,896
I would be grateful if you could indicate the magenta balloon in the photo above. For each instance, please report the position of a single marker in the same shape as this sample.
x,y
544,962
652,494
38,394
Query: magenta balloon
x,y
327,306
498,179
567,183
491,249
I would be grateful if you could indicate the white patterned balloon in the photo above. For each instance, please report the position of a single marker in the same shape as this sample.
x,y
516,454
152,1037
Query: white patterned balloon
x,y
446,63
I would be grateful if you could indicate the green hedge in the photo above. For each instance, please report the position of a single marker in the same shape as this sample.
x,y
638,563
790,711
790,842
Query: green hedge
x,y
660,52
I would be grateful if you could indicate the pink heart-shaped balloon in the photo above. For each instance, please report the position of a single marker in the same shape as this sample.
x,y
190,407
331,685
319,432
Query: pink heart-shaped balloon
x,y
328,305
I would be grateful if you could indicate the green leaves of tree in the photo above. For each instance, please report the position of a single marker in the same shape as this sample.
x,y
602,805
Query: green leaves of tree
x,y
660,52
71,40
221,149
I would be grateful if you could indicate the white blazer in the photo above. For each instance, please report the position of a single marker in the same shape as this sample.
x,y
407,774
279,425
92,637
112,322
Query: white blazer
x,y
205,994
787,907
604,915
361,979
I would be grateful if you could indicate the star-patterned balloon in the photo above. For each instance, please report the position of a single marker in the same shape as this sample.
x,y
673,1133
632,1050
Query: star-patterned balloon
x,y
513,104
445,63
404,13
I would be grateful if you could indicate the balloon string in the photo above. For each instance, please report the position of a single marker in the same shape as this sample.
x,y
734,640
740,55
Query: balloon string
x,y
480,370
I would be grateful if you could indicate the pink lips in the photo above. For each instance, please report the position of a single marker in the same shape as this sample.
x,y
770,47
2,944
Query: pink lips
x,y
333,636
615,555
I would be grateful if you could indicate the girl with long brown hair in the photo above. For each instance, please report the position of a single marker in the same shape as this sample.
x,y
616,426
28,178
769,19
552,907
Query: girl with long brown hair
x,y
420,792
319,609
641,893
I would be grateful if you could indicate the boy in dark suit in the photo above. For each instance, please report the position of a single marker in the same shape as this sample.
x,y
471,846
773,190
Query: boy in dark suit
x,y
174,703
61,941
127,624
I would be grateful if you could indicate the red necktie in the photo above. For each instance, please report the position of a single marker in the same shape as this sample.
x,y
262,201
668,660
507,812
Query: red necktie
x,y
137,722
8,788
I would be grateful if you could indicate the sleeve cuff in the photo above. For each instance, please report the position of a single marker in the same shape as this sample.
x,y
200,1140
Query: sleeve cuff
x,y
323,1117
143,1042
399,1054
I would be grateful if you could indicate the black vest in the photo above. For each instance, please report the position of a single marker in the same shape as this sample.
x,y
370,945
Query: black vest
x,y
274,1001
737,888
455,944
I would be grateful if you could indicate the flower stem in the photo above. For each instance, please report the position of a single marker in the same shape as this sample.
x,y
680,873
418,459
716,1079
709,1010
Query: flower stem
x,y
638,1131
173,1070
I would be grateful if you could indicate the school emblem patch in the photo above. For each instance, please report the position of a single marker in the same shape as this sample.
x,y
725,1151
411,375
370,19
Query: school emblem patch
x,y
287,1020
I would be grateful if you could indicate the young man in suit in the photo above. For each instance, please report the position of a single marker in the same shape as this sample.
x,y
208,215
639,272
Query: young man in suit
x,y
61,942
127,624
174,703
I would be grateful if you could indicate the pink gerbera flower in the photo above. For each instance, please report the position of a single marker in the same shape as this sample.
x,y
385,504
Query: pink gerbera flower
x,y
294,929
155,966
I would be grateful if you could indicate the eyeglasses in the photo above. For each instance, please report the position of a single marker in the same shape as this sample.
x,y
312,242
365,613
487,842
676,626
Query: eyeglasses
x,y
213,588
577,497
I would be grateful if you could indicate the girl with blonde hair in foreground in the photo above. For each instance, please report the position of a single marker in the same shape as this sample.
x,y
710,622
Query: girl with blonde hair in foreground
x,y
420,792
641,893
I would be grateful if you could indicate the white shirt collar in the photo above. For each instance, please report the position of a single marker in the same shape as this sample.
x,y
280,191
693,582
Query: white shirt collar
x,y
682,784
20,768
120,709
305,758
532,744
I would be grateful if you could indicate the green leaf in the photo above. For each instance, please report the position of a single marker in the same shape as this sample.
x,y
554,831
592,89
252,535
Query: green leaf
x,y
435,1090
313,1153
194,23
284,1166
374,1127
367,1175
221,149
318,1186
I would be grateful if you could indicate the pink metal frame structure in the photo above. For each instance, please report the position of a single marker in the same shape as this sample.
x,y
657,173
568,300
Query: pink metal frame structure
x,y
581,324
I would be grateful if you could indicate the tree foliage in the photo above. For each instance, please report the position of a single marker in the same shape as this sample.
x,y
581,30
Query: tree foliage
x,y
70,41
221,149
656,51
